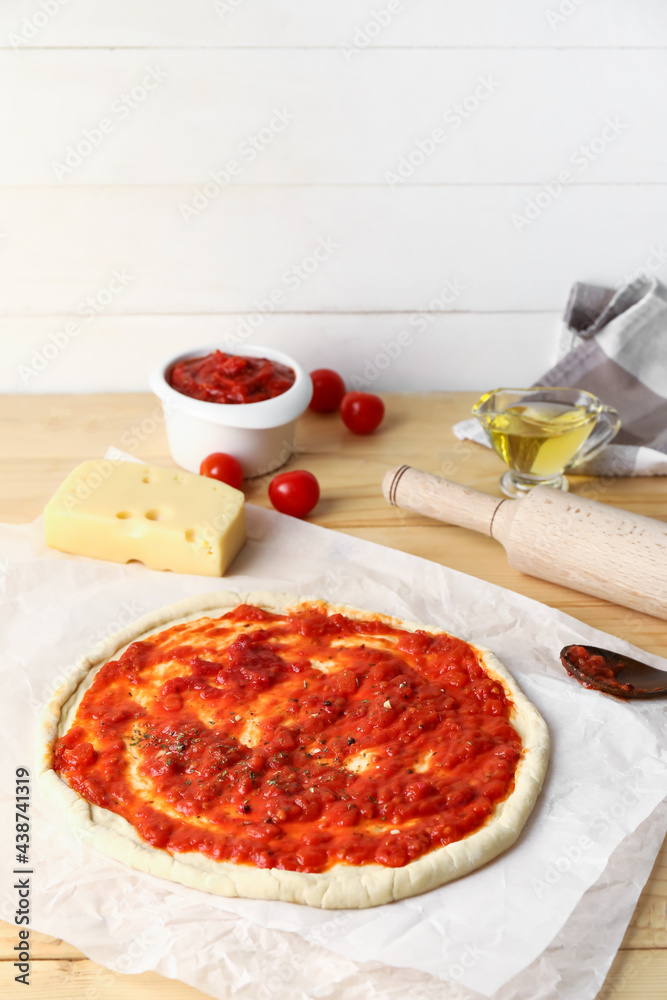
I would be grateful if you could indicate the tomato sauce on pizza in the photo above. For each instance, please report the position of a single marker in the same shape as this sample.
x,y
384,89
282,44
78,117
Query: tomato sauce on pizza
x,y
294,741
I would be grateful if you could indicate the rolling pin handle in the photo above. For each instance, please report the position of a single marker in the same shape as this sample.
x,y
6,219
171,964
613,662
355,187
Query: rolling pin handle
x,y
435,497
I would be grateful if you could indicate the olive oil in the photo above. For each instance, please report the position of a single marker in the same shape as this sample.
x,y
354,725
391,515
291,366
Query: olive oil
x,y
539,438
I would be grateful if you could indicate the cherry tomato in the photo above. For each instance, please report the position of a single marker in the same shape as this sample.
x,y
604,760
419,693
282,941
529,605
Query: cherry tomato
x,y
226,468
294,493
328,390
362,412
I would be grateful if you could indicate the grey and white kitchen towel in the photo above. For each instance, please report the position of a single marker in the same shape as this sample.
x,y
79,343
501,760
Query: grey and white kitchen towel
x,y
614,344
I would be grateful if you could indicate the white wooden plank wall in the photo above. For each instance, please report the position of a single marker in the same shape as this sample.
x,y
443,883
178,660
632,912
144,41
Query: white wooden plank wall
x,y
402,189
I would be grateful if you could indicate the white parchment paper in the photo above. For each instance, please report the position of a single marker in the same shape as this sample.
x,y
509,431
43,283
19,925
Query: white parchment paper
x,y
520,927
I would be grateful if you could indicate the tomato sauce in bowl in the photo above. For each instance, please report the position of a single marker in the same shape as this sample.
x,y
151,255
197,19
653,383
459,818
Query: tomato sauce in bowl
x,y
231,378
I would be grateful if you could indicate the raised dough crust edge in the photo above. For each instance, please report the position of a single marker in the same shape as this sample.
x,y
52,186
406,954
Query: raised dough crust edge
x,y
342,886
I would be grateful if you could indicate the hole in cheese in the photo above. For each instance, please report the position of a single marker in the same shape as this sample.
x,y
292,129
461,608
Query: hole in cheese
x,y
122,514
156,514
190,535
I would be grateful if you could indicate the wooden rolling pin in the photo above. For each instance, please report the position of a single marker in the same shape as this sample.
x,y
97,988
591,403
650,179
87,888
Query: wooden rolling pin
x,y
556,536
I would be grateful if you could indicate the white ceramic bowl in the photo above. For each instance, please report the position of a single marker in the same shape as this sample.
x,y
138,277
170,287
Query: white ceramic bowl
x,y
260,435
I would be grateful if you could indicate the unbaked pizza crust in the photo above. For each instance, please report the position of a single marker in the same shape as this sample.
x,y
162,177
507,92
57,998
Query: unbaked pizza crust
x,y
341,886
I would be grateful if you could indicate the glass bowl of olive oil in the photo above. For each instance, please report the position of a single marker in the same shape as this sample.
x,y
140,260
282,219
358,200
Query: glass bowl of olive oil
x,y
540,432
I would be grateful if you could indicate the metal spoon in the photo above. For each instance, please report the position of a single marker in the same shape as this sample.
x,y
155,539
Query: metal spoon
x,y
621,676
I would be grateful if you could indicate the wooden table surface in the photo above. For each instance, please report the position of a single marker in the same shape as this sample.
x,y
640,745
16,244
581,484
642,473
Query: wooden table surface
x,y
43,438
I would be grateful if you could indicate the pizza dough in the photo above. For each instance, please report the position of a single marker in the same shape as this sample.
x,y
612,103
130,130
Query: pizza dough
x,y
341,885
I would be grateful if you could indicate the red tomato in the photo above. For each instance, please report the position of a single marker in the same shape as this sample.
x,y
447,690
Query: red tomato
x,y
294,493
328,390
362,412
226,468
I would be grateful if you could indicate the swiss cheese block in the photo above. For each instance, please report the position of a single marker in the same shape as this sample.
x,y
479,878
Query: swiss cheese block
x,y
165,518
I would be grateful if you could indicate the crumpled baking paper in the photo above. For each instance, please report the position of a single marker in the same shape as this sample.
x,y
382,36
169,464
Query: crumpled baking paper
x,y
524,925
